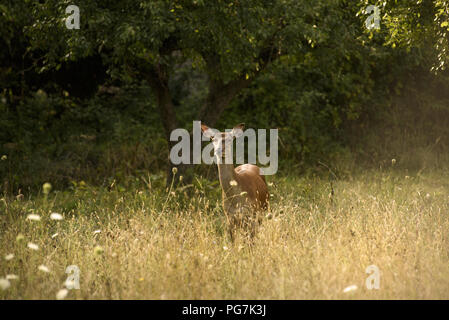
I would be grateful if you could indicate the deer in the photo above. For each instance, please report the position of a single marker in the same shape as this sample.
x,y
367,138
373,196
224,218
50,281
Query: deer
x,y
244,190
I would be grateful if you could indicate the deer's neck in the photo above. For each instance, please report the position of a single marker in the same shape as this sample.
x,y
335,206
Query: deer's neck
x,y
227,174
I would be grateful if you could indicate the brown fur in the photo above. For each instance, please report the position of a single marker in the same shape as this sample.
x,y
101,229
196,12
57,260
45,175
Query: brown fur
x,y
244,202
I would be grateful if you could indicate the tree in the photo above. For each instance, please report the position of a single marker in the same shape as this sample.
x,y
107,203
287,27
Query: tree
x,y
232,42
415,24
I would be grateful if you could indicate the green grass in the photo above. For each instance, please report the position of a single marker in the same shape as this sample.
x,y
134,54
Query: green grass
x,y
161,245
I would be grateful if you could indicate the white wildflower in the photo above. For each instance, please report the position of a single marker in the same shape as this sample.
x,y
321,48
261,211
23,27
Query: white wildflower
x,y
12,277
233,183
350,288
56,216
33,217
33,246
9,256
62,294
4,283
43,268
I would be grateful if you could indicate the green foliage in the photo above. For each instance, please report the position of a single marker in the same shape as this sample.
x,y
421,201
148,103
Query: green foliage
x,y
416,24
235,32
61,139
77,105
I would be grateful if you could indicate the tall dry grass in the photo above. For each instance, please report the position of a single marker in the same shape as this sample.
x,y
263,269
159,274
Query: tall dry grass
x,y
158,245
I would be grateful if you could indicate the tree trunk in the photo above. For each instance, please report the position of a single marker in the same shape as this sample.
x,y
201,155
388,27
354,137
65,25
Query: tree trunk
x,y
158,79
218,98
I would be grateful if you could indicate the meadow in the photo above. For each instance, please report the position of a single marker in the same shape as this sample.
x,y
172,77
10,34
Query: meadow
x,y
359,208
144,241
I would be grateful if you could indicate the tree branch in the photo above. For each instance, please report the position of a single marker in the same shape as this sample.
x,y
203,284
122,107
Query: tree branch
x,y
221,94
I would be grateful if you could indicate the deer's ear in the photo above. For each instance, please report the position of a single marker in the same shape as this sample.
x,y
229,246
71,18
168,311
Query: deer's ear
x,y
237,131
207,132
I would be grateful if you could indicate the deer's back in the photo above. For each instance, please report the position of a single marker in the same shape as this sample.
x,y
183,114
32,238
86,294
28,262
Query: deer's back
x,y
253,183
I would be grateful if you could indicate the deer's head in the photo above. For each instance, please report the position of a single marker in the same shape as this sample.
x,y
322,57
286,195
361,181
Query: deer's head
x,y
222,141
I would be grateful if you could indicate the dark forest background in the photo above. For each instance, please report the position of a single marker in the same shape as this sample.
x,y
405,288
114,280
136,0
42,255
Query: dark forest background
x,y
96,105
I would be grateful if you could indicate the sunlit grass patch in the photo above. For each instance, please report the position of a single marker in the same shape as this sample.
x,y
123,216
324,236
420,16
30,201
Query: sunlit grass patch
x,y
317,242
